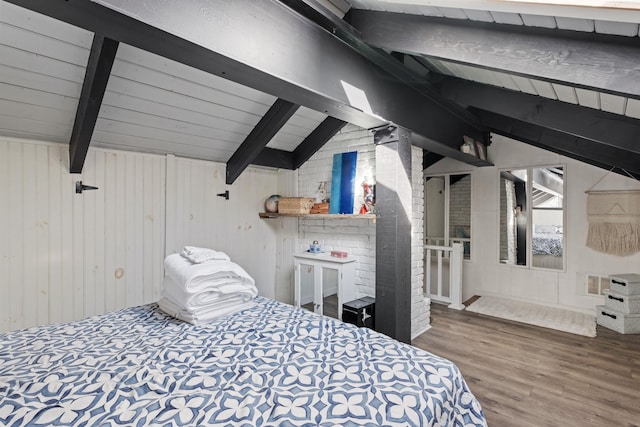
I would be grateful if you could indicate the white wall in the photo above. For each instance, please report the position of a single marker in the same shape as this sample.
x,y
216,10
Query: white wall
x,y
354,236
420,305
66,256
358,236
483,275
197,216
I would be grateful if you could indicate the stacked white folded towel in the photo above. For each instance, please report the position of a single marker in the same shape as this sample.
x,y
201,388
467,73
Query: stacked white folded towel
x,y
203,284
198,255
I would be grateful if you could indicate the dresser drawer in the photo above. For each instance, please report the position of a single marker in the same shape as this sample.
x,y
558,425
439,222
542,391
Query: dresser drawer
x,y
619,322
625,284
626,304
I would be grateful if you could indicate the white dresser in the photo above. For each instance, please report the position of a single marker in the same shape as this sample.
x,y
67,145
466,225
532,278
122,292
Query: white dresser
x,y
621,309
320,262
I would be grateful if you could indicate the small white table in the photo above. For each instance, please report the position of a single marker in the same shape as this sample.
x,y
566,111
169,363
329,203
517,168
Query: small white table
x,y
319,262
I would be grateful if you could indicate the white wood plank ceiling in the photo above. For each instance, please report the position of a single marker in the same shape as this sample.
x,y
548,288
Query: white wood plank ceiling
x,y
151,104
587,98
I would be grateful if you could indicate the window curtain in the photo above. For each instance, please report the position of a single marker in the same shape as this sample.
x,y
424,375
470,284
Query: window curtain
x,y
614,222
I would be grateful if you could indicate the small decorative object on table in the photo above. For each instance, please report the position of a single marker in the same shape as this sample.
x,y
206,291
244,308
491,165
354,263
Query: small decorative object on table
x,y
271,204
339,254
321,195
315,247
369,197
320,208
295,205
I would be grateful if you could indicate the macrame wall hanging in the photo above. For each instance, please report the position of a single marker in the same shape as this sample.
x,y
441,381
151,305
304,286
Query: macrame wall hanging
x,y
614,221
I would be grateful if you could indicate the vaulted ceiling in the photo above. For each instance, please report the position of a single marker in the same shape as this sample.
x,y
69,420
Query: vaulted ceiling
x,y
269,82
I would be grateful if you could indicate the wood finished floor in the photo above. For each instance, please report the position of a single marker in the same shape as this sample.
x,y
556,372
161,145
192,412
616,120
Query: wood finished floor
x,y
529,376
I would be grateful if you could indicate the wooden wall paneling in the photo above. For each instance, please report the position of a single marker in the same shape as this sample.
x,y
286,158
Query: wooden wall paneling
x,y
41,257
139,242
5,240
56,243
130,232
87,229
67,201
17,241
121,273
287,239
171,204
110,265
251,241
178,199
159,226
100,231
197,209
147,228
223,230
29,254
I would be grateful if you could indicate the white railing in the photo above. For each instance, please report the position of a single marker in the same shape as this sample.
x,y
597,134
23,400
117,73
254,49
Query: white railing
x,y
441,241
449,292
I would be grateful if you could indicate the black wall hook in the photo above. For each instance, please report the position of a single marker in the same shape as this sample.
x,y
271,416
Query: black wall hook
x,y
80,187
225,195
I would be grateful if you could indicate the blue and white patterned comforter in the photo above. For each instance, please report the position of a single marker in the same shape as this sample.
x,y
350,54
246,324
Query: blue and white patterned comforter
x,y
271,365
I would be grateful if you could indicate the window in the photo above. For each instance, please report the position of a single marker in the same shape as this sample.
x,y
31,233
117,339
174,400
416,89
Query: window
x,y
448,211
532,217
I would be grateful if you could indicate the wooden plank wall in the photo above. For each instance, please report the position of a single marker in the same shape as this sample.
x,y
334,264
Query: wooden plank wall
x,y
66,256
197,216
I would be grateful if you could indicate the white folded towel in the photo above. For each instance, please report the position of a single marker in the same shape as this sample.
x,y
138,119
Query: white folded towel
x,y
196,277
199,255
208,296
203,316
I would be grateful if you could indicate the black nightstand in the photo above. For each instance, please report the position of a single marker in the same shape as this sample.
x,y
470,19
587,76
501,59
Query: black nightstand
x,y
360,312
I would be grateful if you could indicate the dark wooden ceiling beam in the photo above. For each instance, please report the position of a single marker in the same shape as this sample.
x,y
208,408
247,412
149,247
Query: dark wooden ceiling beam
x,y
308,147
601,127
390,63
267,46
101,57
275,158
273,120
316,139
598,155
587,60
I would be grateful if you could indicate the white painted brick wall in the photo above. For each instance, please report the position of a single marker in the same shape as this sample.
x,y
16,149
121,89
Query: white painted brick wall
x,y
358,236
420,305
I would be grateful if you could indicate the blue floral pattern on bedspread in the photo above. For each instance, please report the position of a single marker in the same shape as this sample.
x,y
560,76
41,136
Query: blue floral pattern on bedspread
x,y
271,365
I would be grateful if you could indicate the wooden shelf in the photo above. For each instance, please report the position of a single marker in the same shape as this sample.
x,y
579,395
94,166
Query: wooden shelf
x,y
266,215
